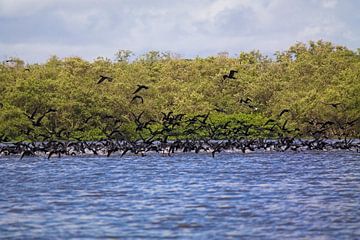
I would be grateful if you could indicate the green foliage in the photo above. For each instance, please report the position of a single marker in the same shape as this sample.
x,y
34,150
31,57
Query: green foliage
x,y
305,79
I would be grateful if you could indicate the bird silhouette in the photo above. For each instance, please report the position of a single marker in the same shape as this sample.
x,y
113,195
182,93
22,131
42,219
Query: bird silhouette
x,y
37,122
140,87
230,75
27,153
246,101
166,117
137,97
352,122
103,78
137,118
334,105
32,115
283,111
269,121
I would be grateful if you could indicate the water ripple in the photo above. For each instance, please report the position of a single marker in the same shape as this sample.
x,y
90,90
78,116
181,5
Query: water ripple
x,y
267,196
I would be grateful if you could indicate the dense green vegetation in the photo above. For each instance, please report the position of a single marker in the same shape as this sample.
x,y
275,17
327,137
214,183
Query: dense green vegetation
x,y
307,79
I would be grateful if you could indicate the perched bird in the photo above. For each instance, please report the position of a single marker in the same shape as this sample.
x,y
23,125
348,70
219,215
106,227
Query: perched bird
x,y
27,153
103,78
137,97
140,87
230,75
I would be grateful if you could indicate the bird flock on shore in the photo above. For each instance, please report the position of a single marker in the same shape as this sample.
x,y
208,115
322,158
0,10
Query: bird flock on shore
x,y
175,133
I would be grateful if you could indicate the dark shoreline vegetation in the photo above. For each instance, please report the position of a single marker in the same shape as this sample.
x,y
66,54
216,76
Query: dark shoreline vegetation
x,y
310,92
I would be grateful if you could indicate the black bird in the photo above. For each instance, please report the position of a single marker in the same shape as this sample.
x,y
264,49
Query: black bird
x,y
140,87
283,111
37,123
103,78
88,119
166,117
246,101
137,97
269,121
137,118
1,105
31,117
219,109
230,75
334,105
352,122
27,153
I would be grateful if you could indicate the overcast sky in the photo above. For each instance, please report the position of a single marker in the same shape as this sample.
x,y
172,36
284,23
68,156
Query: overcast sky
x,y
33,30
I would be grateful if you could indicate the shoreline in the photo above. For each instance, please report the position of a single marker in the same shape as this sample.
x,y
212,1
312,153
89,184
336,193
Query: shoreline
x,y
140,148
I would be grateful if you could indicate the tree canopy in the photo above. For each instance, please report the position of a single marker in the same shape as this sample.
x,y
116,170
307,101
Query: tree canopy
x,y
317,82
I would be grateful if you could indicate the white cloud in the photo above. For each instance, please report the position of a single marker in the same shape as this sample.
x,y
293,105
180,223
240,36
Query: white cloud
x,y
36,29
18,8
329,3
212,10
39,52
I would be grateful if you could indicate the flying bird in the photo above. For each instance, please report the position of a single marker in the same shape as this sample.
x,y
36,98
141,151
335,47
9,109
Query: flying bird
x,y
230,75
37,123
352,122
32,115
103,78
269,121
137,97
140,87
283,111
246,101
334,105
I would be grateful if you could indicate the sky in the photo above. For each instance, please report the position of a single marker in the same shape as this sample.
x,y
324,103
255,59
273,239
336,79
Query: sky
x,y
34,30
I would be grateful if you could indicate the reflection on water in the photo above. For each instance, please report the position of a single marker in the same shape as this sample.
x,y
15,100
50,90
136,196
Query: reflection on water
x,y
270,196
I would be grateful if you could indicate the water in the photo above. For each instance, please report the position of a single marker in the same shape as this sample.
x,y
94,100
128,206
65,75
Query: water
x,y
248,196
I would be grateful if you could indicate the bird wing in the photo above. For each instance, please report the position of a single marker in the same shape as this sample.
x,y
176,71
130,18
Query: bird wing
x,y
137,90
232,73
137,96
101,79
283,111
140,87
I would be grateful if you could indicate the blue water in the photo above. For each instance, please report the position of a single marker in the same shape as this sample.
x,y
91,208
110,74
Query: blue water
x,y
232,196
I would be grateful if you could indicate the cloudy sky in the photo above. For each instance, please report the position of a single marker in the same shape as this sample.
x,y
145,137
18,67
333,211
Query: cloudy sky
x,y
33,30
